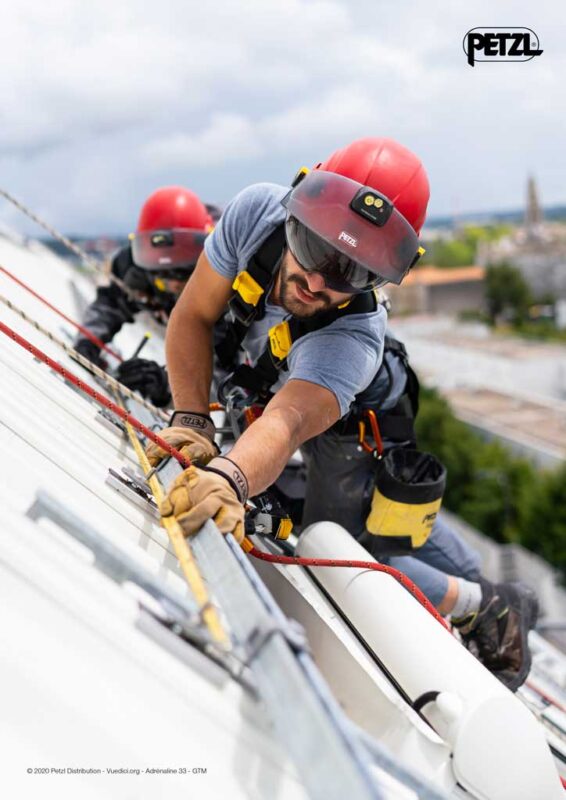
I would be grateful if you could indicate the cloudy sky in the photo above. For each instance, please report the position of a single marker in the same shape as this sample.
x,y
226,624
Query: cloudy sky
x,y
103,102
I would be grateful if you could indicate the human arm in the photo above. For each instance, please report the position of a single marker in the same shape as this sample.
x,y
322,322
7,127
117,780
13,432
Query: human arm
x,y
189,364
299,411
327,370
189,336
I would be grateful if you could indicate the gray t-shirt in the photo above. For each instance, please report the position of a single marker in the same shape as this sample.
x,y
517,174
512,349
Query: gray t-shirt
x,y
345,355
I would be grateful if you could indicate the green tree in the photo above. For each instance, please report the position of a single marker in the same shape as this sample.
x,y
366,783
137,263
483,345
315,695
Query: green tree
x,y
504,496
460,250
451,253
474,234
545,528
507,293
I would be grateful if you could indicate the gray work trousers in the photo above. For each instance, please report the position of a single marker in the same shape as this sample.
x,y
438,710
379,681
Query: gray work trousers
x,y
339,489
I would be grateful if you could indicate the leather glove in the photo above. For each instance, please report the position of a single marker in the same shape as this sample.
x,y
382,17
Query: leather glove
x,y
216,492
146,377
189,432
91,351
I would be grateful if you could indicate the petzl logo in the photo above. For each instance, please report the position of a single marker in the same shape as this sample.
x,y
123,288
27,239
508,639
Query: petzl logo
x,y
501,44
345,237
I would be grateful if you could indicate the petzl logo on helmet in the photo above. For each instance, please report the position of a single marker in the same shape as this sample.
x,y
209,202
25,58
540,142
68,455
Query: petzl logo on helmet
x,y
501,44
345,237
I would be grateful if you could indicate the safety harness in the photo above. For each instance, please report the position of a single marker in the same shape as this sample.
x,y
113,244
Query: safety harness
x,y
247,305
396,424
409,484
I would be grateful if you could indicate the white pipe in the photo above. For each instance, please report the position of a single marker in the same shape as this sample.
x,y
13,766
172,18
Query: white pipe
x,y
499,752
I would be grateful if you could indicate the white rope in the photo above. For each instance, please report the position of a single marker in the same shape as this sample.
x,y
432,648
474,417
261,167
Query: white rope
x,y
91,263
84,362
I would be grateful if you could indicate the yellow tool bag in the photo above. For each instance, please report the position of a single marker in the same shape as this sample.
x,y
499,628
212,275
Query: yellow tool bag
x,y
406,499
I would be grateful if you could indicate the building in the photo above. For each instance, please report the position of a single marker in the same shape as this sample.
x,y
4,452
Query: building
x,y
431,290
537,249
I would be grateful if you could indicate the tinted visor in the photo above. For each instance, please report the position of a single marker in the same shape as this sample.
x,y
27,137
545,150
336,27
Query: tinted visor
x,y
168,250
314,254
373,242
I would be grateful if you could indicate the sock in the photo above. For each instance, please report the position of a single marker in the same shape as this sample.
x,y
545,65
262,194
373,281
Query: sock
x,y
469,598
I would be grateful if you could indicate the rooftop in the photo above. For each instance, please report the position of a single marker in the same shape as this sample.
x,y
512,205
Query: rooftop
x,y
430,276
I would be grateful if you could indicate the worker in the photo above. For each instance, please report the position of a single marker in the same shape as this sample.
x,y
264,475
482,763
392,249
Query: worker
x,y
152,270
297,268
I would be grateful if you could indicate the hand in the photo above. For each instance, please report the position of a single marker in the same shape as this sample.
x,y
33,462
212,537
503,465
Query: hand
x,y
146,377
90,350
191,433
198,495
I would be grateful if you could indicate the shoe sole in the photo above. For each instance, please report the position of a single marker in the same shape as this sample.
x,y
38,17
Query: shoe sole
x,y
529,610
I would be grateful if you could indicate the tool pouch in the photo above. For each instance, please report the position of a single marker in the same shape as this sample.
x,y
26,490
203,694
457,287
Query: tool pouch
x,y
406,499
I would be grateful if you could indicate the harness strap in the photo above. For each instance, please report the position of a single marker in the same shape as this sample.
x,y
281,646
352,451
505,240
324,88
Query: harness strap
x,y
261,377
251,286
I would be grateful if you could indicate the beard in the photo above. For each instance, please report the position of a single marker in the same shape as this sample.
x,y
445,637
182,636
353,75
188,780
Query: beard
x,y
292,304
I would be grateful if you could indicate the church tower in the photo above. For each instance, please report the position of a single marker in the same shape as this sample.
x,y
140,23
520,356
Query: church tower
x,y
533,211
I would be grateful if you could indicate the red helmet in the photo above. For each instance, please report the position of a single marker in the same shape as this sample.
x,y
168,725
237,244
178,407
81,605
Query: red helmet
x,y
173,207
388,167
356,217
171,230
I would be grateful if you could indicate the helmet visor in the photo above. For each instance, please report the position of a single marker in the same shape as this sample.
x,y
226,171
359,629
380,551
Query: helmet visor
x,y
314,254
167,250
355,221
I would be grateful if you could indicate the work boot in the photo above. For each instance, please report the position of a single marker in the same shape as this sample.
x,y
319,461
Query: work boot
x,y
497,634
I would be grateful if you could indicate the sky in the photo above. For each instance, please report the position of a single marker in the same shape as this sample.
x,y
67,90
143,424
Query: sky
x,y
102,103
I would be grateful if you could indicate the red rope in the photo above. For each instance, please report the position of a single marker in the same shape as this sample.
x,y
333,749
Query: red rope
x,y
100,399
124,415
545,696
330,562
85,331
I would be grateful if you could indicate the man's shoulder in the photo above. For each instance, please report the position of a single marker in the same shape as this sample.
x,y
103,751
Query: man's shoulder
x,y
371,320
247,221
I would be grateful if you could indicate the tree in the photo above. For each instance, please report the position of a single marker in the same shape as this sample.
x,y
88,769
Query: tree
x,y
502,495
460,250
452,253
507,293
545,528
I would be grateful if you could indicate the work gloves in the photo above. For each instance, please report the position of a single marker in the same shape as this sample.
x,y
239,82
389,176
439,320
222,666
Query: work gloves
x,y
191,433
90,350
218,492
146,377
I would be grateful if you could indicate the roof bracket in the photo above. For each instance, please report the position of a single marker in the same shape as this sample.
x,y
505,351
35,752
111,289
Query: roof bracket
x,y
134,488
293,633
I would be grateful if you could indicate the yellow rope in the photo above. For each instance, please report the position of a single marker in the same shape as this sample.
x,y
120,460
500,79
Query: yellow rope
x,y
182,550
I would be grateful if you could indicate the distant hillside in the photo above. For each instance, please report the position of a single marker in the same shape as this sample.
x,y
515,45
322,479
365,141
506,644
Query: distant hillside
x,y
551,213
